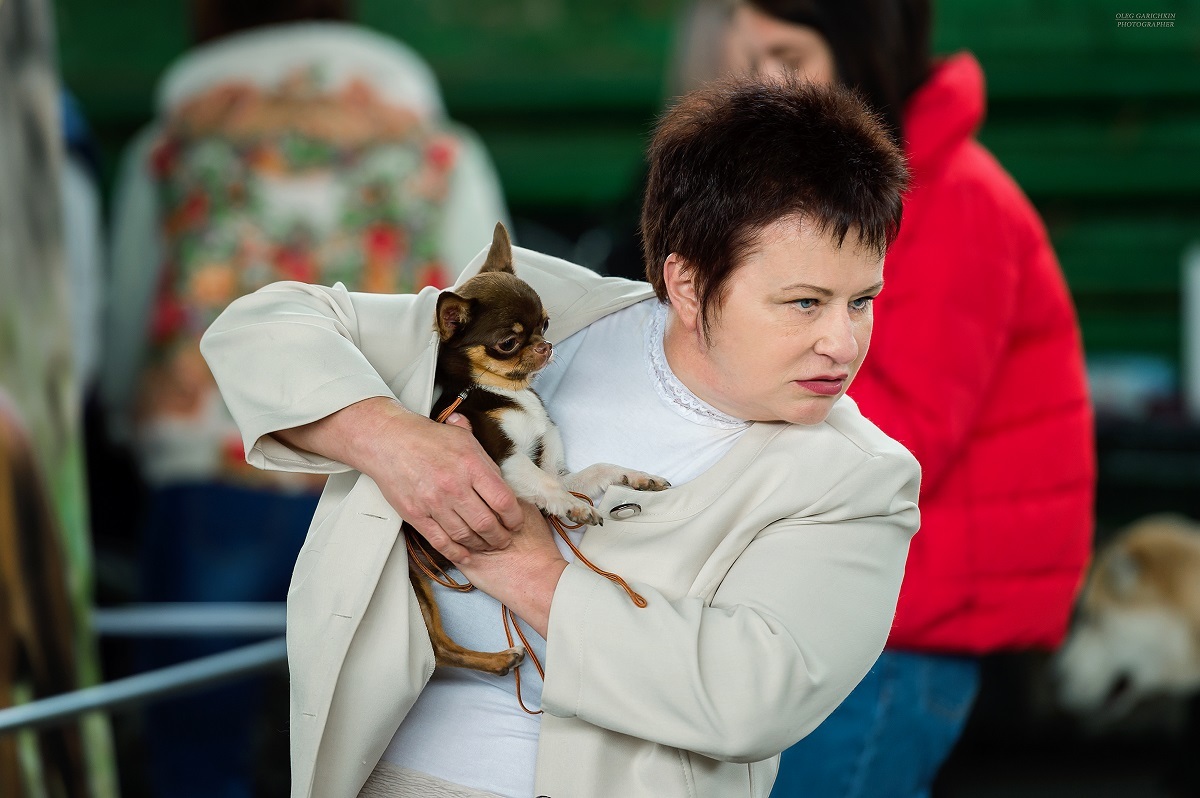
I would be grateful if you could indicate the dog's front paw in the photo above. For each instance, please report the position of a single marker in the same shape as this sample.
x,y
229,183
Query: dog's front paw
x,y
572,508
639,480
584,513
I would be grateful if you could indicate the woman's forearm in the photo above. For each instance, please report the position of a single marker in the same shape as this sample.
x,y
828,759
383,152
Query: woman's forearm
x,y
353,435
436,476
525,575
797,620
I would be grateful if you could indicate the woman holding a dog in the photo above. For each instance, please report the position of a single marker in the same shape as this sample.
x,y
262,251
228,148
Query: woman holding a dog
x,y
769,571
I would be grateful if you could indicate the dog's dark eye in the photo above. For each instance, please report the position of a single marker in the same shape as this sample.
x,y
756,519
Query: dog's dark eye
x,y
545,326
508,344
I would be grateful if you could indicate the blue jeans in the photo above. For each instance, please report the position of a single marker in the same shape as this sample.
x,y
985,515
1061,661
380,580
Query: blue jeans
x,y
889,738
210,542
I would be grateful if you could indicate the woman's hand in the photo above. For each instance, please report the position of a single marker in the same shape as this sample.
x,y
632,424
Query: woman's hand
x,y
523,575
436,476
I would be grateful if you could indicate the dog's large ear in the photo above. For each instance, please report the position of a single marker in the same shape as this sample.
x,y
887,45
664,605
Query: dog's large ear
x,y
499,257
1122,573
452,313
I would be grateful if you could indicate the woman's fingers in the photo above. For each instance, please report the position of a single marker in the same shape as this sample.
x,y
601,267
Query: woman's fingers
x,y
495,493
488,507
473,525
439,478
436,536
479,518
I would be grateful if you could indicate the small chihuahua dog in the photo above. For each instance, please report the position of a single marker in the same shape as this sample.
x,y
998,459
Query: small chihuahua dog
x,y
492,346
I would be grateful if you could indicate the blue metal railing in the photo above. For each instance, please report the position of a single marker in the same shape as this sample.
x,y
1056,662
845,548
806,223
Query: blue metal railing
x,y
170,620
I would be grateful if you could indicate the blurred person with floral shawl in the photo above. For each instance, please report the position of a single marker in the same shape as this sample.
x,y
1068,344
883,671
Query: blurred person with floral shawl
x,y
316,151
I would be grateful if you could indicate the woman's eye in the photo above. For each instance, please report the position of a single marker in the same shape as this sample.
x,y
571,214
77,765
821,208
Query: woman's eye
x,y
862,303
507,345
806,304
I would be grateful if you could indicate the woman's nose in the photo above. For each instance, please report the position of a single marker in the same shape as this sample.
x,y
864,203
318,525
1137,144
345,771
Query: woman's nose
x,y
838,341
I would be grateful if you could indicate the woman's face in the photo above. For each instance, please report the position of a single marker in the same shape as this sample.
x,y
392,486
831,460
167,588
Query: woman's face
x,y
769,45
792,330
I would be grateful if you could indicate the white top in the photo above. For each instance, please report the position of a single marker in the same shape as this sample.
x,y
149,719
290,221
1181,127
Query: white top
x,y
467,727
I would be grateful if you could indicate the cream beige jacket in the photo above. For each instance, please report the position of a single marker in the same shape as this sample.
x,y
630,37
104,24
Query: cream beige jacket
x,y
771,579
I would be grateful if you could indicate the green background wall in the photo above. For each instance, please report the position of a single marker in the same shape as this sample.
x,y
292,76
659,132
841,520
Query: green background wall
x,y
1099,124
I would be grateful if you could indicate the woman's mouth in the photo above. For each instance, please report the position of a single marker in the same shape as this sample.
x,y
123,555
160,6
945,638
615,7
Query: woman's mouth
x,y
823,386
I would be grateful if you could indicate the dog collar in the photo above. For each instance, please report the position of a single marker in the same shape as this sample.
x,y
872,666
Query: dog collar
x,y
458,400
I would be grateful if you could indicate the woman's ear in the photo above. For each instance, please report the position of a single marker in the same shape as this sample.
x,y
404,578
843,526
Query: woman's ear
x,y
678,279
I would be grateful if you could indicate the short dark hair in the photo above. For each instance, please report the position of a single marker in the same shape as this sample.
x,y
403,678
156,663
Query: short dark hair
x,y
881,48
741,153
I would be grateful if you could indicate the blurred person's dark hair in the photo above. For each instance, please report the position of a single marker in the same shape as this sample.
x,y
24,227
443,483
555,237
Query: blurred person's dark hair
x,y
741,153
212,19
880,47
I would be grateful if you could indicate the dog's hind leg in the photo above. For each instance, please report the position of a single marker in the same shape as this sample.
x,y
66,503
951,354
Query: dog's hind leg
x,y
449,654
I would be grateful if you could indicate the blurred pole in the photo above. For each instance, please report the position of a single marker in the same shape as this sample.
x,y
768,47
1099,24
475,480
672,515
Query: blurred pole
x,y
190,619
144,687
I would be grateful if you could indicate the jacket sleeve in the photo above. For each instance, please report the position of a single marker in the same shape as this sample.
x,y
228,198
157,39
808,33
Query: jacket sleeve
x,y
293,353
796,623
942,325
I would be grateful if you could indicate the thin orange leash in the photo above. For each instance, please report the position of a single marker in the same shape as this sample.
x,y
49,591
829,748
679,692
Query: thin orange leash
x,y
507,615
458,400
417,545
420,555
561,528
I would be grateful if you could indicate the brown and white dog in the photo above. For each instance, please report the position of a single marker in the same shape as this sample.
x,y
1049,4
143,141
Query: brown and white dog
x,y
1137,632
492,345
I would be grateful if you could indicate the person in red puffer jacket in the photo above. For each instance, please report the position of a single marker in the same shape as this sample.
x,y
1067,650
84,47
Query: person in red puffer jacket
x,y
976,365
978,369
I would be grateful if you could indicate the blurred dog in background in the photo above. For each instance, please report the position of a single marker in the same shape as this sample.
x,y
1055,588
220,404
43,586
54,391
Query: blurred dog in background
x,y
1137,632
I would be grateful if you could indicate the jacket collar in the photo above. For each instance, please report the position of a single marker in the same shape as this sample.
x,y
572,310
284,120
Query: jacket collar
x,y
573,296
945,111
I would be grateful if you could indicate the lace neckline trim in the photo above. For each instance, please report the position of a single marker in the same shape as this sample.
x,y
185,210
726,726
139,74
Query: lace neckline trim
x,y
668,387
